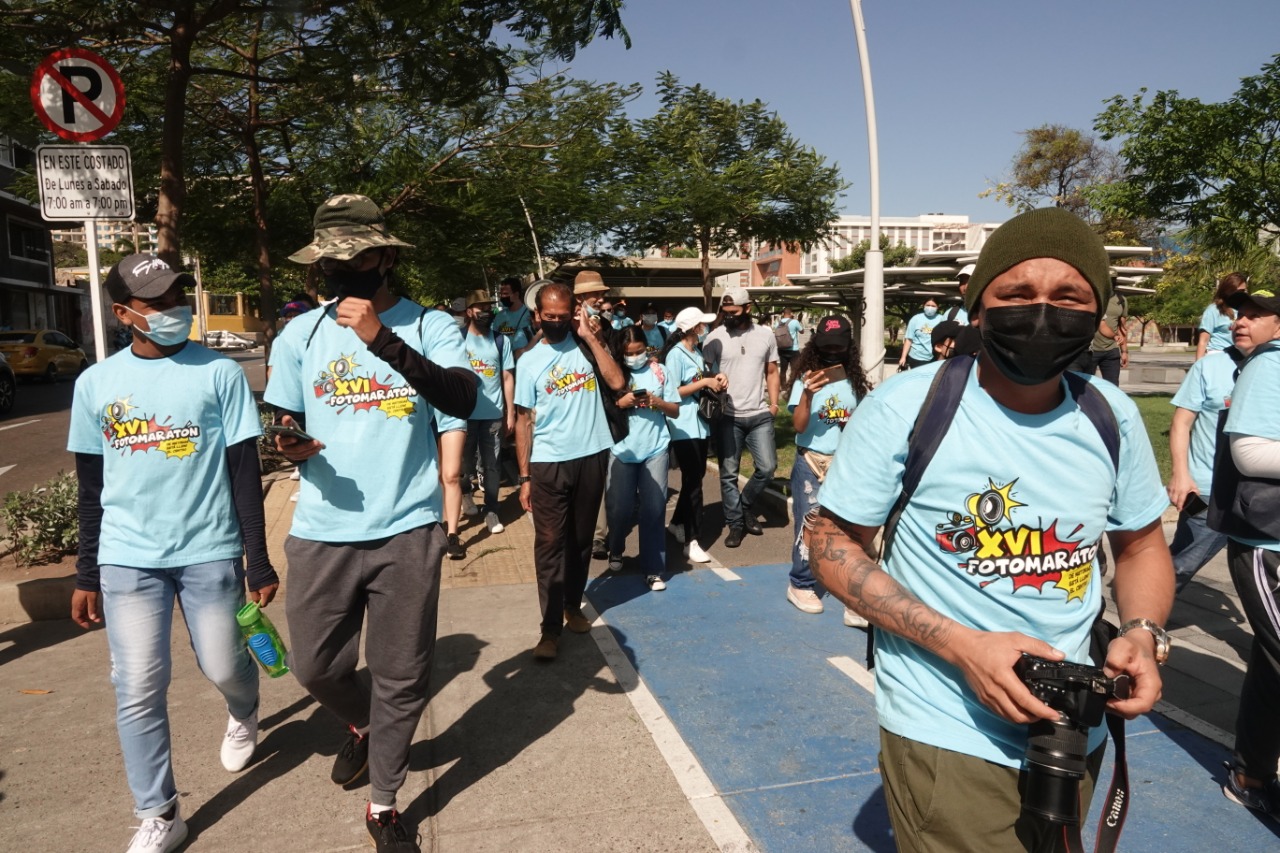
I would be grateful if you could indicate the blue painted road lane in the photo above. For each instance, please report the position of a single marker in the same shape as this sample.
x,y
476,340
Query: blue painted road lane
x,y
790,740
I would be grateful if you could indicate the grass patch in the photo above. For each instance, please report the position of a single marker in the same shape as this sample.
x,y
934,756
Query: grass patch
x,y
1156,413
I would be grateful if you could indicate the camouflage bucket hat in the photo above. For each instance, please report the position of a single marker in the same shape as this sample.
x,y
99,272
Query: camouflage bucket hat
x,y
345,226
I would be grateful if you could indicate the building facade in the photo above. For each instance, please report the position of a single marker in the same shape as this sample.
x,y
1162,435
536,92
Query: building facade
x,y
924,233
29,296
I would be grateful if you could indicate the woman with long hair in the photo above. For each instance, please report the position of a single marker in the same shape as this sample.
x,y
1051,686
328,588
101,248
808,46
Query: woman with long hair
x,y
690,434
1214,332
638,464
829,385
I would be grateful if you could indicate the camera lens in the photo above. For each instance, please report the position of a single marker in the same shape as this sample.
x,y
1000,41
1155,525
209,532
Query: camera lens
x,y
1055,766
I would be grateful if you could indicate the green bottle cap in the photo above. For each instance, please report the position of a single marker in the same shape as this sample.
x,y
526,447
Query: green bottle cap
x,y
248,614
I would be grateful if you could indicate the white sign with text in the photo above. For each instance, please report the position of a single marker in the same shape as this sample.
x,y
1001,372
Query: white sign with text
x,y
81,182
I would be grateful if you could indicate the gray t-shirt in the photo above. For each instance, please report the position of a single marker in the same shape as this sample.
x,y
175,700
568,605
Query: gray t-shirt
x,y
742,356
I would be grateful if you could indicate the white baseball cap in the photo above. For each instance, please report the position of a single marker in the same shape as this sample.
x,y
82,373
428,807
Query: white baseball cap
x,y
965,271
690,317
735,296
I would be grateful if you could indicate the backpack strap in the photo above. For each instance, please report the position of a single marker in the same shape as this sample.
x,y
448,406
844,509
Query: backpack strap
x,y
323,314
955,309
1096,408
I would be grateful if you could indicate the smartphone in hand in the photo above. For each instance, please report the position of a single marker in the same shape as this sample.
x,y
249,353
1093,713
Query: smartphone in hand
x,y
1194,504
290,431
835,373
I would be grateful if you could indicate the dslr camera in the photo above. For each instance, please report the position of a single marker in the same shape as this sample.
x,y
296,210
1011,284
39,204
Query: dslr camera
x,y
1057,749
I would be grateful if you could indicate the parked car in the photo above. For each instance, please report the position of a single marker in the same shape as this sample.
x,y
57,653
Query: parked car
x,y
223,340
42,352
8,386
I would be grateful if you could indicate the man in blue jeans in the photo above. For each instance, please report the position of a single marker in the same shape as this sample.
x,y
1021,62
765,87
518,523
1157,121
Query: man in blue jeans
x,y
491,357
165,435
748,355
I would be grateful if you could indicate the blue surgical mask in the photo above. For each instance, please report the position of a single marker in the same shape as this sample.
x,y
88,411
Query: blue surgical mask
x,y
169,327
930,311
635,362
592,311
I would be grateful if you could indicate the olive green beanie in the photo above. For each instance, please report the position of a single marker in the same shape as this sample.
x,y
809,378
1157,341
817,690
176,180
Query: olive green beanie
x,y
1047,232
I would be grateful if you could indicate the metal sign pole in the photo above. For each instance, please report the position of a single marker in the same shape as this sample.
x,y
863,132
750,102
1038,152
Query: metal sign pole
x,y
95,291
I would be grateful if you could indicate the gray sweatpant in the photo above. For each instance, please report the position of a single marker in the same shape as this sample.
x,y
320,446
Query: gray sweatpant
x,y
396,581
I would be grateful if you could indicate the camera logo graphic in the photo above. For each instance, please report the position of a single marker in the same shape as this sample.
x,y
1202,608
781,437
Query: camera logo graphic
x,y
958,534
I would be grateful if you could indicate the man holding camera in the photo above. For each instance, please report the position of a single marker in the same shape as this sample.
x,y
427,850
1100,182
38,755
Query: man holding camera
x,y
994,555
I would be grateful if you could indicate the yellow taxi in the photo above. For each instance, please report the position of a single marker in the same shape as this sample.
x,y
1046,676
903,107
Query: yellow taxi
x,y
42,352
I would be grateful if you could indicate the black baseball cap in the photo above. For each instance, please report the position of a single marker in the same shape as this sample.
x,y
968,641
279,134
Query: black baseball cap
x,y
945,329
832,331
143,277
1264,299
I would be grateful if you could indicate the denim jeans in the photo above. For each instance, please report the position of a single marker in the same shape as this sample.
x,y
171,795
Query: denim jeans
x,y
804,497
731,434
138,607
486,436
641,485
1193,545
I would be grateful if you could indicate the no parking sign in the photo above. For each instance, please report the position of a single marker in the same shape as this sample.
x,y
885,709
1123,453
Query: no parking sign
x,y
77,94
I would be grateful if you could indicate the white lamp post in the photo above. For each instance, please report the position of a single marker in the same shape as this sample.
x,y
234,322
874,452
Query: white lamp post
x,y
872,346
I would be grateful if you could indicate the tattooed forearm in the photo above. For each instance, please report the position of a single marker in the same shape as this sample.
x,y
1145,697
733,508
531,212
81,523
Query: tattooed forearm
x,y
839,556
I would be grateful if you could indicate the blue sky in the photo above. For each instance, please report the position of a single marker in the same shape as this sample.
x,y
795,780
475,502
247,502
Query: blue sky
x,y
954,82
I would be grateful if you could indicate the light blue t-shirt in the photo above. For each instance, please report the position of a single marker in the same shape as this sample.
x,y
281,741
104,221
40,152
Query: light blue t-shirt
x,y
684,367
1206,390
829,411
516,324
1218,325
1001,536
962,317
558,383
489,364
647,433
667,327
621,322
1255,402
162,427
653,341
378,474
920,335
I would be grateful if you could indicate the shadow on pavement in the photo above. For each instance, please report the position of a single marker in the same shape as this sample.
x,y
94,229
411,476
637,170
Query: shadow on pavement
x,y
527,700
33,636
871,824
280,752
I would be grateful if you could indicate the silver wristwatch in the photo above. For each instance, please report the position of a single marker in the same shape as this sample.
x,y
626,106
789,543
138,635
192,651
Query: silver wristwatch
x,y
1160,634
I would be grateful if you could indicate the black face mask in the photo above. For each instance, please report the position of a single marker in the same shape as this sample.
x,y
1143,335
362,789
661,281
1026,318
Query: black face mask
x,y
505,300
484,319
734,321
829,359
361,285
1031,344
555,331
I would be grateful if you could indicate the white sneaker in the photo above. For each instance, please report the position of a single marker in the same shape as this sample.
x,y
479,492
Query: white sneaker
x,y
491,522
676,531
239,742
656,583
615,563
804,599
695,553
853,620
157,835
469,508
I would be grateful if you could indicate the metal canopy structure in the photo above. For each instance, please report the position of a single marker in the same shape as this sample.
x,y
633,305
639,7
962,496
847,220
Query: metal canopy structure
x,y
934,277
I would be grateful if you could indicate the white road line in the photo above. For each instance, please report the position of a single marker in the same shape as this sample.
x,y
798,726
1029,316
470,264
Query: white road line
x,y
15,426
7,468
856,671
707,803
725,574
1197,725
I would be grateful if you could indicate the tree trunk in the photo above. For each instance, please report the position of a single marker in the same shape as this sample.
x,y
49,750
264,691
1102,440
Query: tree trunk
x,y
704,255
262,232
173,182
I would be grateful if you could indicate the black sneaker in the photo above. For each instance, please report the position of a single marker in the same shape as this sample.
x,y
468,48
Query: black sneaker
x,y
352,759
388,833
598,549
1265,799
751,524
734,539
454,549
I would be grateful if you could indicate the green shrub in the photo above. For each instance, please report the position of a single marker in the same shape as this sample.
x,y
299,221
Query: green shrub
x,y
42,523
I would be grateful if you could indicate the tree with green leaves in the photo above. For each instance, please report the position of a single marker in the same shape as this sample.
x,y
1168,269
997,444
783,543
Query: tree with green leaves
x,y
900,255
712,174
1209,166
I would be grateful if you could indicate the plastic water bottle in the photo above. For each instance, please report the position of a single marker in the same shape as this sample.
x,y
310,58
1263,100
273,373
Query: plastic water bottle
x,y
264,641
